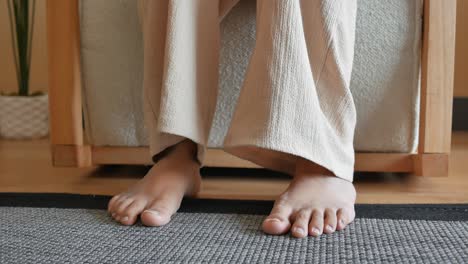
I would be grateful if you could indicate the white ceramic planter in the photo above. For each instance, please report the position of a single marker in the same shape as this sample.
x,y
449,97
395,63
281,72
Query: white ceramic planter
x,y
24,117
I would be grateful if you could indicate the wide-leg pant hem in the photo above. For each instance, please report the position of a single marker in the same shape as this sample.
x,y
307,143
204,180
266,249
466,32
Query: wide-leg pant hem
x,y
158,148
283,157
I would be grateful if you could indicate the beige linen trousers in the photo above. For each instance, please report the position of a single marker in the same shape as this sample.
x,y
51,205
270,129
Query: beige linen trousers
x,y
295,102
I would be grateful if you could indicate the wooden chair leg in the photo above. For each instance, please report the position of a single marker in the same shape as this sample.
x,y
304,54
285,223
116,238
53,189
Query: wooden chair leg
x,y
65,105
437,71
71,156
431,165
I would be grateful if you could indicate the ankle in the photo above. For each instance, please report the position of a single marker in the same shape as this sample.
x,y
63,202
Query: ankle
x,y
308,168
185,151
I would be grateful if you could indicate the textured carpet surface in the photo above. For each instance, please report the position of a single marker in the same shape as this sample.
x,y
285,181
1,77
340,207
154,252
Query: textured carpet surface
x,y
53,235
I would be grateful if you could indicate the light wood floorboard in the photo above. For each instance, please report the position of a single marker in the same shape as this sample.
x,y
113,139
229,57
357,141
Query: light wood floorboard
x,y
25,166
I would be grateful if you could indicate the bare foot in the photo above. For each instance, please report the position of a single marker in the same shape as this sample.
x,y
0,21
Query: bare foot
x,y
314,203
158,195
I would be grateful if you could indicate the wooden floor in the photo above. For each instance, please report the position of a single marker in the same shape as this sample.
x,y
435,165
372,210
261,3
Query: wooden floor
x,y
25,167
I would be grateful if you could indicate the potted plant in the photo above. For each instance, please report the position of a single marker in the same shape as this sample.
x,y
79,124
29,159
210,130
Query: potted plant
x,y
23,114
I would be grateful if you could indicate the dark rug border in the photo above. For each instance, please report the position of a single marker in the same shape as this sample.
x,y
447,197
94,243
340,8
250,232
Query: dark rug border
x,y
434,212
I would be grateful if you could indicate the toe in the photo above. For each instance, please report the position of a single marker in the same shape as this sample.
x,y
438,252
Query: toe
x,y
157,214
117,202
301,222
130,215
120,208
330,221
111,204
277,222
316,223
344,217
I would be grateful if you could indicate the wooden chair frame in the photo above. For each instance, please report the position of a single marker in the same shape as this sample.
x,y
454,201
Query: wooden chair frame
x,y
69,147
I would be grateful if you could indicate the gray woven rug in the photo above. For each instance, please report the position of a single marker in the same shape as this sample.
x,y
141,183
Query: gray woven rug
x,y
80,235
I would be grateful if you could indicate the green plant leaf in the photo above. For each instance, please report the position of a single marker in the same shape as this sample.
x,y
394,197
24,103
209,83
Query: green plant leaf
x,y
22,28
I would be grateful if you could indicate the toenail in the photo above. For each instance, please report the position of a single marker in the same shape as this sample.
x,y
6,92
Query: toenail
x,y
329,228
299,231
117,218
125,219
157,213
315,231
273,220
113,214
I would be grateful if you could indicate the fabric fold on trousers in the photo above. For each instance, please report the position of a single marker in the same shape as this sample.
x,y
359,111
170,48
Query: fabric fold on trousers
x,y
295,101
181,47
